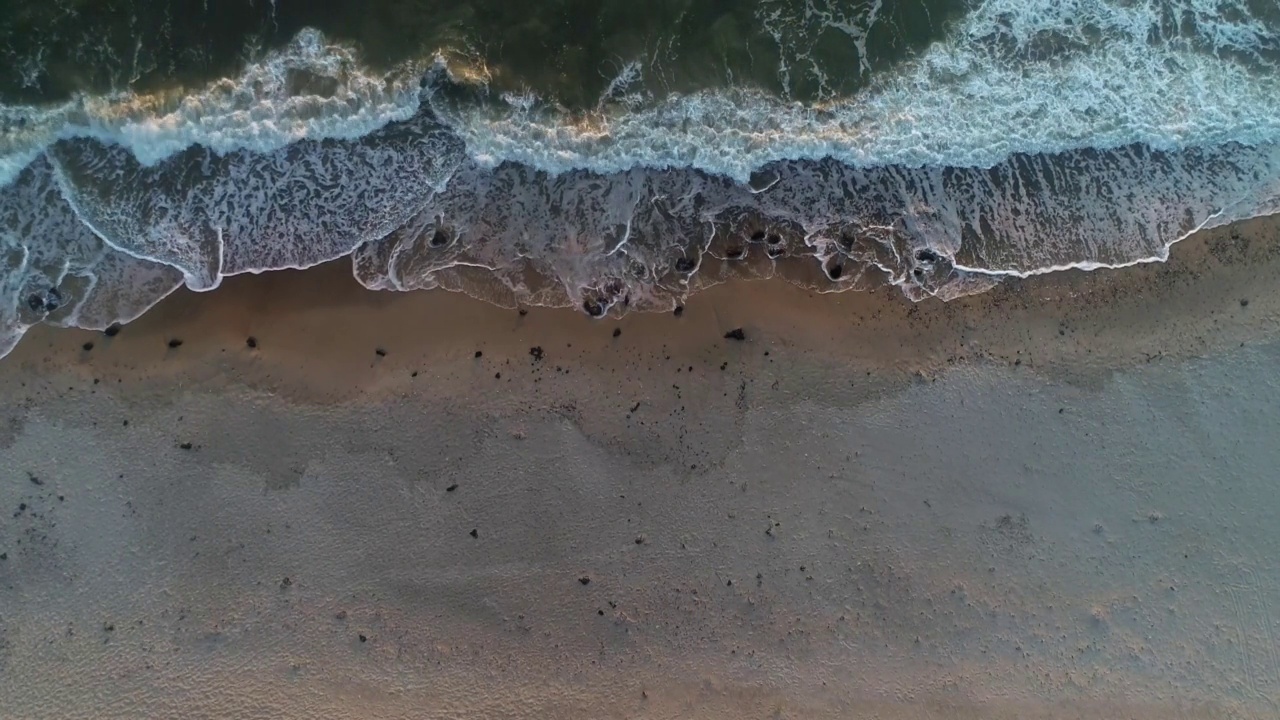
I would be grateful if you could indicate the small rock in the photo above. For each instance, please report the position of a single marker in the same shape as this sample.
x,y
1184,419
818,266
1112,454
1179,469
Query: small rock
x,y
175,343
112,331
735,334
584,580
380,352
474,533
251,342
451,488
87,346
536,352
617,332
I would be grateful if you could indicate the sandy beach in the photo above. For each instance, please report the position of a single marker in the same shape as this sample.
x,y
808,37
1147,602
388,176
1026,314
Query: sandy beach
x,y
292,497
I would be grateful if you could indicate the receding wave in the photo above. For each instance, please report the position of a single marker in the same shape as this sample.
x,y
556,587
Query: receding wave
x,y
1037,136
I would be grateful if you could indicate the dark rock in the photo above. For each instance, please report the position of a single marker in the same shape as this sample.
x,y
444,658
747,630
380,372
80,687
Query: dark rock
x,y
479,354
87,346
439,238
362,637
592,308
251,342
617,332
678,311
111,331
735,334
474,533
380,352
536,352
926,256
185,446
584,580
175,343
451,488
286,582
685,265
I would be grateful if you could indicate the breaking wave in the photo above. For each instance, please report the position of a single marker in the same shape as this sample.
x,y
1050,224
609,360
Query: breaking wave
x,y
1038,136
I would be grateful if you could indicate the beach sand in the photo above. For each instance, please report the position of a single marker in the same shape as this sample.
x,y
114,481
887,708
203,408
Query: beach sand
x,y
1055,500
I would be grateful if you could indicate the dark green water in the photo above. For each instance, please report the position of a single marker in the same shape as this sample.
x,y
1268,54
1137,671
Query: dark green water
x,y
569,50
956,144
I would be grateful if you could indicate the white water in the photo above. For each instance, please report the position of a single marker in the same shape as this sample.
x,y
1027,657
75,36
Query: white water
x,y
987,92
996,86
1021,145
309,89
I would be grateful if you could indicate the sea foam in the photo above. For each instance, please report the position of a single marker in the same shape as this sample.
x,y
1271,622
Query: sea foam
x,y
310,89
1014,76
1037,136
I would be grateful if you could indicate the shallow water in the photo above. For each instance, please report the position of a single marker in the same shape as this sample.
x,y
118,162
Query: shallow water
x,y
591,155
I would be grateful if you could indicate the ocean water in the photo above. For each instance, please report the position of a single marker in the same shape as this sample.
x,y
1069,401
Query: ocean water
x,y
610,155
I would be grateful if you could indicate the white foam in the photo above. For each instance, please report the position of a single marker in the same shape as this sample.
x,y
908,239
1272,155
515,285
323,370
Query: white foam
x,y
1114,77
269,105
972,100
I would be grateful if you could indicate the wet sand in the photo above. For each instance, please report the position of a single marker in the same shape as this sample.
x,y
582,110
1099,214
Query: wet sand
x,y
1056,500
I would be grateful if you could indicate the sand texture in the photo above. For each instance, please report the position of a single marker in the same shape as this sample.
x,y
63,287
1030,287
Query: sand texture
x,y
1057,500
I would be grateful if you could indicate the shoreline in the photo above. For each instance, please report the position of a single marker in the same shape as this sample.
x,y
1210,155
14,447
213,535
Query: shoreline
x,y
313,325
1054,501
